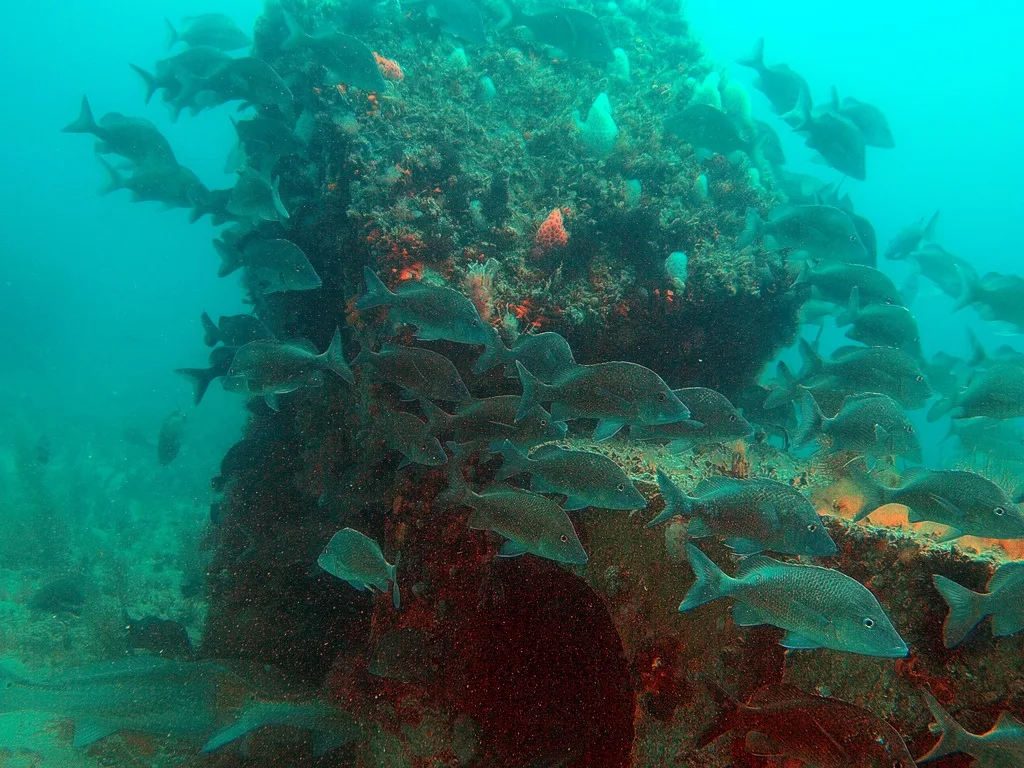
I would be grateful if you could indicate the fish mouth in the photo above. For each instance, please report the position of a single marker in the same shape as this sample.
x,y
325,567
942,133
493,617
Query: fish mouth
x,y
899,651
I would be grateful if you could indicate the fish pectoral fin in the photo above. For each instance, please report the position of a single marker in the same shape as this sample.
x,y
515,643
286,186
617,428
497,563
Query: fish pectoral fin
x,y
745,616
682,445
606,428
794,641
1007,722
742,546
762,745
574,505
425,334
947,506
913,516
511,549
90,730
272,401
882,436
949,535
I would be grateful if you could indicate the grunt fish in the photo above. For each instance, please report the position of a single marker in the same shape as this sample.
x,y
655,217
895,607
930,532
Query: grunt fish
x,y
356,558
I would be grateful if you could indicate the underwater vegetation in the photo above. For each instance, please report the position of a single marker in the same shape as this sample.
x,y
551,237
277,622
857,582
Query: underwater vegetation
x,y
509,492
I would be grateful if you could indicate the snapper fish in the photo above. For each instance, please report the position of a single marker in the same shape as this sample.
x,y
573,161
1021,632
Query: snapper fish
x,y
819,232
349,59
871,425
215,30
912,237
356,558
881,325
835,137
233,330
133,138
486,422
817,607
546,355
869,119
752,516
420,373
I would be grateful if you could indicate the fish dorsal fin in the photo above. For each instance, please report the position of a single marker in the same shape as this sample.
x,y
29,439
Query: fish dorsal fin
x,y
714,484
846,351
1007,722
757,563
548,451
783,693
304,344
1006,573
89,730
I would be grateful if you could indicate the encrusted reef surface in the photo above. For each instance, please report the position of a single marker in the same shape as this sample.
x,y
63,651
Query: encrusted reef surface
x,y
522,662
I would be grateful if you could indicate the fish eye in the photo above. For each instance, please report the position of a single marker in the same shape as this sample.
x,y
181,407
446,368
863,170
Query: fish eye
x,y
476,323
853,238
869,622
910,429
732,418
543,422
999,511
812,527
919,378
888,300
621,487
564,539
662,397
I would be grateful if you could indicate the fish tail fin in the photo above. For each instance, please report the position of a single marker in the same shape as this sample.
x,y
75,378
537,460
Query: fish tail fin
x,y
968,288
492,356
396,597
514,461
676,502
874,494
799,118
334,358
275,194
172,34
246,721
812,421
230,257
726,718
978,354
211,333
812,361
712,582
148,78
786,389
511,15
911,288
296,34
201,379
84,123
849,315
928,233
533,390
952,736
437,418
941,408
965,610
377,294
754,59
115,180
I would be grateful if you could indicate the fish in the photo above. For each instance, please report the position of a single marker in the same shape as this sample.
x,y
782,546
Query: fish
x,y
269,367
800,188
819,232
459,18
1002,601
233,330
407,434
587,479
245,79
256,197
170,74
147,694
356,558
273,265
174,186
65,594
837,139
134,138
912,237
168,442
420,373
215,30
751,516
869,424
968,503
944,269
866,233
885,370
488,421
998,439
814,312
783,721
529,523
817,607
768,143
267,136
330,727
164,637
349,59
713,419
997,297
1000,747
870,120
996,393
881,325
575,33
546,355
834,281
755,405
616,393
437,312
201,378
778,82
707,127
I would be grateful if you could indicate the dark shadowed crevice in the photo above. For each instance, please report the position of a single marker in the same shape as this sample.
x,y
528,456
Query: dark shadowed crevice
x,y
546,672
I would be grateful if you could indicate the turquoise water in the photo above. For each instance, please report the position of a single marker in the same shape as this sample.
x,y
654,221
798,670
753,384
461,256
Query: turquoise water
x,y
100,301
